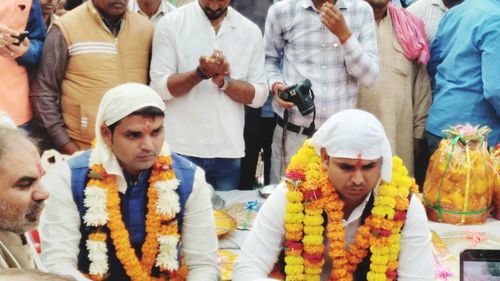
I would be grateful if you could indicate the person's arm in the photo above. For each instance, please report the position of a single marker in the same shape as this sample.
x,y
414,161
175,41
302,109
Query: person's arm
x,y
60,225
253,91
36,36
46,88
199,238
165,79
422,98
361,54
490,56
274,44
261,249
415,257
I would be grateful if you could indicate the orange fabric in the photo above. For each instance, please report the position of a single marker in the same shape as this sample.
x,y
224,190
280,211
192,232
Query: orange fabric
x,y
14,86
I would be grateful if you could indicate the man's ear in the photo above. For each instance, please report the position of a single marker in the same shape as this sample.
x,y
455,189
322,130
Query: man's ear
x,y
325,158
107,135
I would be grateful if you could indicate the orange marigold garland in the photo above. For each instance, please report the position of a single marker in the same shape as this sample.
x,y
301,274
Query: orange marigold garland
x,y
160,247
310,192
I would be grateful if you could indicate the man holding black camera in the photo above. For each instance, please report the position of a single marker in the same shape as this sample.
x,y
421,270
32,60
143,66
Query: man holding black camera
x,y
331,44
206,80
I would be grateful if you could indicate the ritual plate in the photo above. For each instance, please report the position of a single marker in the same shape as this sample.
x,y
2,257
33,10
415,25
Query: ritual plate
x,y
224,223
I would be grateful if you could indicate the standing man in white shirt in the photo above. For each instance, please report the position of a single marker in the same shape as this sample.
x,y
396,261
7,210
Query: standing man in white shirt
x,y
153,9
207,63
128,209
344,212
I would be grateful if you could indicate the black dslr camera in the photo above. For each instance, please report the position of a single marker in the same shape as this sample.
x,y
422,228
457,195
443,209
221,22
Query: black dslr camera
x,y
301,95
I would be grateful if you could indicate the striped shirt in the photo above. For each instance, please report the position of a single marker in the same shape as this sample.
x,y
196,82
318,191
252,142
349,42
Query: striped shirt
x,y
299,46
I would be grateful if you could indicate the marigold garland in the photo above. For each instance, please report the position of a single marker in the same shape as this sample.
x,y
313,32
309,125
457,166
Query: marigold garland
x,y
160,248
310,192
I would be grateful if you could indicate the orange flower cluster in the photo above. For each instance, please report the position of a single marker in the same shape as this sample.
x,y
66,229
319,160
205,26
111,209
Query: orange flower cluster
x,y
308,185
155,224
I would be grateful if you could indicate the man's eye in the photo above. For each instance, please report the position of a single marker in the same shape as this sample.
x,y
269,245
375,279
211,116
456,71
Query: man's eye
x,y
24,184
156,132
368,167
347,167
133,135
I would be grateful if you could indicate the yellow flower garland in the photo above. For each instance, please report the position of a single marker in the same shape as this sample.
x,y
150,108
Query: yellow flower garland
x,y
156,224
310,192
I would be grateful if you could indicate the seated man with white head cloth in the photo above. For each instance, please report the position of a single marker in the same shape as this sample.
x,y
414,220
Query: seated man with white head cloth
x,y
122,210
343,212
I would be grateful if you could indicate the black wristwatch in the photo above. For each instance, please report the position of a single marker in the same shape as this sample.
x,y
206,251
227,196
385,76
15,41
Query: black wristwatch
x,y
200,74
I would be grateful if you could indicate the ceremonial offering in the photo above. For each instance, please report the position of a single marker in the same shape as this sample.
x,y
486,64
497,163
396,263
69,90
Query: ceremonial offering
x,y
224,223
460,178
244,213
496,189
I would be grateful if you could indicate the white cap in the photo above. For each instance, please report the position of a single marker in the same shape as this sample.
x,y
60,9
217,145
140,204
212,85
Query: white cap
x,y
355,134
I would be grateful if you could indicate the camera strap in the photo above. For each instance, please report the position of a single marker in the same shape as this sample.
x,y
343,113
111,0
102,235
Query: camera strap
x,y
311,129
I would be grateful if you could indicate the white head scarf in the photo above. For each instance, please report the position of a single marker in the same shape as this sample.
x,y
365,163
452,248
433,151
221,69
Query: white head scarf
x,y
6,121
355,134
118,103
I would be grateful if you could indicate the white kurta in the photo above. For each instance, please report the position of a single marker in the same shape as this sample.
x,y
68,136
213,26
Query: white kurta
x,y
265,242
401,97
60,226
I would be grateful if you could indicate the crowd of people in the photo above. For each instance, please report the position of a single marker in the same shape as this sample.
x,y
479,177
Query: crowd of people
x,y
157,101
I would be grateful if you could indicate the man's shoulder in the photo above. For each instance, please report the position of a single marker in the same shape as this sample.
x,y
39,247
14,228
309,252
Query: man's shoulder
x,y
79,160
242,21
358,7
138,19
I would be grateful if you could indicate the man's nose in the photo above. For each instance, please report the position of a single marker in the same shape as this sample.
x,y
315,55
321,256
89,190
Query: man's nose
x,y
147,143
357,178
40,193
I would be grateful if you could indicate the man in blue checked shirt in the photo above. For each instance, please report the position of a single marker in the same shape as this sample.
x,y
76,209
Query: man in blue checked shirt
x,y
331,44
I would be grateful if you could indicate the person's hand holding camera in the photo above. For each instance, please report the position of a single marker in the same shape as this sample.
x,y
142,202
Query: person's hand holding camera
x,y
332,18
277,88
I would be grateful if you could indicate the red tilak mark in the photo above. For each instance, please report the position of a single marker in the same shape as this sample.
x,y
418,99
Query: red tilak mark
x,y
39,168
147,127
358,161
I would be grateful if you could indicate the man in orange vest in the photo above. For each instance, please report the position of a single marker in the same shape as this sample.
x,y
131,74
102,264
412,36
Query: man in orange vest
x,y
16,55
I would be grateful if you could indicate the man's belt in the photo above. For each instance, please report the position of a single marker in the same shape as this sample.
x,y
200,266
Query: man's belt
x,y
294,128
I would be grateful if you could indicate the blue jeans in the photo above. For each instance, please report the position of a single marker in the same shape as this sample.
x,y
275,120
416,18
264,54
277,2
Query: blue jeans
x,y
433,142
222,173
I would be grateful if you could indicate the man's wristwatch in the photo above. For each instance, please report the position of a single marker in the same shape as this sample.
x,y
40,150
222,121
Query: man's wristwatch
x,y
200,74
227,81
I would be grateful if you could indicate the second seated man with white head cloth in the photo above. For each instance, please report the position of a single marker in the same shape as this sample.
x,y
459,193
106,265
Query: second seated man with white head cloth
x,y
343,212
128,208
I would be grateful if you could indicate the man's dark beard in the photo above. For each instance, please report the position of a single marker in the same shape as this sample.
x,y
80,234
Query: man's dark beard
x,y
213,15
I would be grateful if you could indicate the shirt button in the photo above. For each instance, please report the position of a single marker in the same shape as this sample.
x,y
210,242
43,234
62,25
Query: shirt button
x,y
324,66
335,45
324,45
